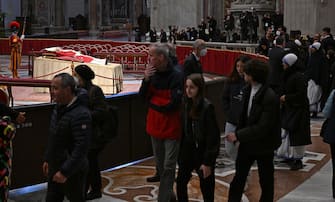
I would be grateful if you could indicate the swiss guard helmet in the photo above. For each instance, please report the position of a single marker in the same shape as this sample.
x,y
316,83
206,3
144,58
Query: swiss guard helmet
x,y
14,26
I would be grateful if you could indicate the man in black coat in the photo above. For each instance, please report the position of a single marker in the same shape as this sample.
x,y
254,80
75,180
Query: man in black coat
x,y
258,133
276,55
327,41
66,162
192,63
153,35
229,23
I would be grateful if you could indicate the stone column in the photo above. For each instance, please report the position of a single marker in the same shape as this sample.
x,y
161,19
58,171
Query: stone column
x,y
59,13
183,13
138,7
105,14
51,13
205,9
217,11
92,15
309,16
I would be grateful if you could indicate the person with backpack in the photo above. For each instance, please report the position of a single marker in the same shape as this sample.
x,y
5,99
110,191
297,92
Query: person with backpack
x,y
83,76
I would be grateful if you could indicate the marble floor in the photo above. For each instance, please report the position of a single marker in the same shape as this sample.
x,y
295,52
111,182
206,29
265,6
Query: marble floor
x,y
128,182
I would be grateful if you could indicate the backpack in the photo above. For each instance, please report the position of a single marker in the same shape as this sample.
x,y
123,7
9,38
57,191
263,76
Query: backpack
x,y
110,124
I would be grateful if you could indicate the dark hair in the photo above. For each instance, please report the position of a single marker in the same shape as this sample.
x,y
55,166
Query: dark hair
x,y
326,29
283,28
331,53
197,80
279,41
66,81
234,76
85,72
258,70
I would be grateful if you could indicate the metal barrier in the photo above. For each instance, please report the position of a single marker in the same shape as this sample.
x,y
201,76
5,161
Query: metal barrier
x,y
131,143
250,48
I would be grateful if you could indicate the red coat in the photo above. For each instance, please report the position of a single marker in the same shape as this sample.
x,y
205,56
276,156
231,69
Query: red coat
x,y
164,91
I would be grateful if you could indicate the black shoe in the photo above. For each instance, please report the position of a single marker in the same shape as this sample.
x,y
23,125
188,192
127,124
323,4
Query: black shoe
x,y
154,178
314,115
173,197
296,165
93,195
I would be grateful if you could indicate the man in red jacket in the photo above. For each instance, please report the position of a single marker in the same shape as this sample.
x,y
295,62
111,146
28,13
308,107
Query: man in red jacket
x,y
162,87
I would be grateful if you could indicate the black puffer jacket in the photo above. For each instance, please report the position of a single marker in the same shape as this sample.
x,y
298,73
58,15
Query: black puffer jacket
x,y
68,141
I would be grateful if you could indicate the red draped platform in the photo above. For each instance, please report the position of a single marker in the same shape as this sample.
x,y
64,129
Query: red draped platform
x,y
216,61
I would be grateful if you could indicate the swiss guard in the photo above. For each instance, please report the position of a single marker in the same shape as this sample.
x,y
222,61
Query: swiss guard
x,y
7,133
15,44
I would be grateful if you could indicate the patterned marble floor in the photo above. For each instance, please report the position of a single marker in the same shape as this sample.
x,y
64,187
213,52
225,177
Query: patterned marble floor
x,y
309,184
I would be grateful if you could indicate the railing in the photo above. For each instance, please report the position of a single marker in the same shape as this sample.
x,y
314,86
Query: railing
x,y
131,144
250,48
9,82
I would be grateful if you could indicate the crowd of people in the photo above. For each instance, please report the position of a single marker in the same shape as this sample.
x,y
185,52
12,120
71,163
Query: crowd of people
x,y
242,28
301,73
207,30
267,106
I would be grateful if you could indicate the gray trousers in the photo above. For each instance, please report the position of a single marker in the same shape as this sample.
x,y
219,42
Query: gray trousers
x,y
231,148
166,154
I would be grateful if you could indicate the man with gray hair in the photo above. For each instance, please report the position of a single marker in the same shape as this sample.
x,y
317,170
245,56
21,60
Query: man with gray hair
x,y
65,163
192,63
162,87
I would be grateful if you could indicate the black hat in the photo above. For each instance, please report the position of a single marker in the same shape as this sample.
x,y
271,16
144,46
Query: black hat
x,y
85,72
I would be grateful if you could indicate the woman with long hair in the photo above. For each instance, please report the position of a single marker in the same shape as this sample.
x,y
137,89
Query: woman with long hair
x,y
200,141
232,97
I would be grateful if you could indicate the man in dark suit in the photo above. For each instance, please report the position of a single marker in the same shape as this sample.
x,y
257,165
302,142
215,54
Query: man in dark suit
x,y
192,63
276,55
327,41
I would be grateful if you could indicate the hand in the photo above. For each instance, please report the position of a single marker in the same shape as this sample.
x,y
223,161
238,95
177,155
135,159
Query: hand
x,y
22,37
231,137
59,177
45,168
148,72
282,99
21,117
206,170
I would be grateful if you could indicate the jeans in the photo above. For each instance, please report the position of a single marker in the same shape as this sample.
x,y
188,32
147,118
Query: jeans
x,y
231,148
166,154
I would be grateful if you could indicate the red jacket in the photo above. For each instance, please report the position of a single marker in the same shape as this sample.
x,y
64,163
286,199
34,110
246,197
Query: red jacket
x,y
164,91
